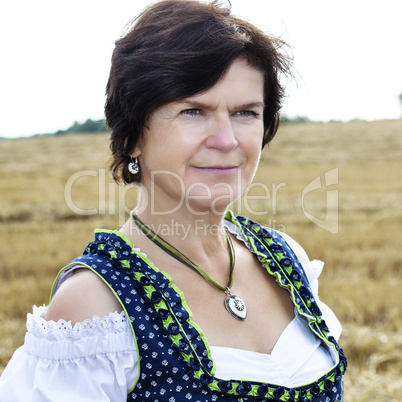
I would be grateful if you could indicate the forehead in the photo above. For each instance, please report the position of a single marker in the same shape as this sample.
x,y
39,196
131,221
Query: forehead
x,y
241,82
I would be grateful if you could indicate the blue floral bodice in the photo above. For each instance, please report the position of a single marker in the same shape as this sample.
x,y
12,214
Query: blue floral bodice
x,y
175,363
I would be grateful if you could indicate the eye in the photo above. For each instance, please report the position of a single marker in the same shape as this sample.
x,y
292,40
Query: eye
x,y
246,113
191,112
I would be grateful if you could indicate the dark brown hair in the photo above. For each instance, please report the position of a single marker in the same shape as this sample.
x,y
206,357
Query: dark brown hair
x,y
176,49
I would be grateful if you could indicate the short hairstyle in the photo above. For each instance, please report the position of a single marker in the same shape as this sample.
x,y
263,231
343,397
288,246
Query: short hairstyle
x,y
173,50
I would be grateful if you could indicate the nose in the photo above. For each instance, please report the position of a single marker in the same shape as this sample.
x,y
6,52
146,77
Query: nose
x,y
222,134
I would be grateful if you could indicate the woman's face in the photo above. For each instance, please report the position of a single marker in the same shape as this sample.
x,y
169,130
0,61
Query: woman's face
x,y
201,153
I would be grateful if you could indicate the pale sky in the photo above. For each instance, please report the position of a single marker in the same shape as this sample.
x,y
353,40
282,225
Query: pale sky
x,y
55,57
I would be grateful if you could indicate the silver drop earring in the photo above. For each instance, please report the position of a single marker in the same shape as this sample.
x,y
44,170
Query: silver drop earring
x,y
133,166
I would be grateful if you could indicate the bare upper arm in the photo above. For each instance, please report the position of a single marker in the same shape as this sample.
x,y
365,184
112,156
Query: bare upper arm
x,y
81,297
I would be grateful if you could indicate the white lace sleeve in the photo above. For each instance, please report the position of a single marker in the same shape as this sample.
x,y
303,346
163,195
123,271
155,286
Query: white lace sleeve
x,y
95,360
313,270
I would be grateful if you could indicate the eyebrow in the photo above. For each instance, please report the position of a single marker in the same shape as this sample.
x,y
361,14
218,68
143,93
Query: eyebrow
x,y
201,105
252,105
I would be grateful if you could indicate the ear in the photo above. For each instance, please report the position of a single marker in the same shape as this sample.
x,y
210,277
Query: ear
x,y
136,152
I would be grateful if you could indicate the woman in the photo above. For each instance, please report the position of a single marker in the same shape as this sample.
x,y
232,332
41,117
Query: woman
x,y
196,302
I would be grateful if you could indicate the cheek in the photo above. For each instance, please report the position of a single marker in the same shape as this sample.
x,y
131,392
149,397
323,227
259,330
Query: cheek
x,y
253,144
253,153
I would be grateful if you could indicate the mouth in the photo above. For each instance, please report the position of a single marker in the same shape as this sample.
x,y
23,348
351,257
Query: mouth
x,y
219,170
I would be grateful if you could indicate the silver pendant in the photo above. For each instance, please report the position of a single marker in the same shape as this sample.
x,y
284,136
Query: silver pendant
x,y
236,307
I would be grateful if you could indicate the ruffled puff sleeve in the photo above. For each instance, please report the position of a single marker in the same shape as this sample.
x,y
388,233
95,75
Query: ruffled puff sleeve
x,y
95,360
313,270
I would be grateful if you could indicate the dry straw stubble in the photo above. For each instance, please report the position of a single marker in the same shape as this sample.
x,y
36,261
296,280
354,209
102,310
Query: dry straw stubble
x,y
362,276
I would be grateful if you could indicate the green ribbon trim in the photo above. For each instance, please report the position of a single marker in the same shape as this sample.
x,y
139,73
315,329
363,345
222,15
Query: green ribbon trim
x,y
175,253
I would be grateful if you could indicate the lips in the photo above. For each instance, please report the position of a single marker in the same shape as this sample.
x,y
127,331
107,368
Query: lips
x,y
219,167
219,170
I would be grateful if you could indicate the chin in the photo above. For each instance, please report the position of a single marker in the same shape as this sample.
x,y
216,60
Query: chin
x,y
216,206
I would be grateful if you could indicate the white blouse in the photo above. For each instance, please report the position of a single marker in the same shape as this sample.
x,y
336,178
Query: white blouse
x,y
96,360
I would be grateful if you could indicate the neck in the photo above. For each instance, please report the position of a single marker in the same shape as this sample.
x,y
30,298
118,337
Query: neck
x,y
192,233
178,255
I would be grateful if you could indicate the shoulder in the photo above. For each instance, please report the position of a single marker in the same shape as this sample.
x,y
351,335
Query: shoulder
x,y
81,297
296,247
